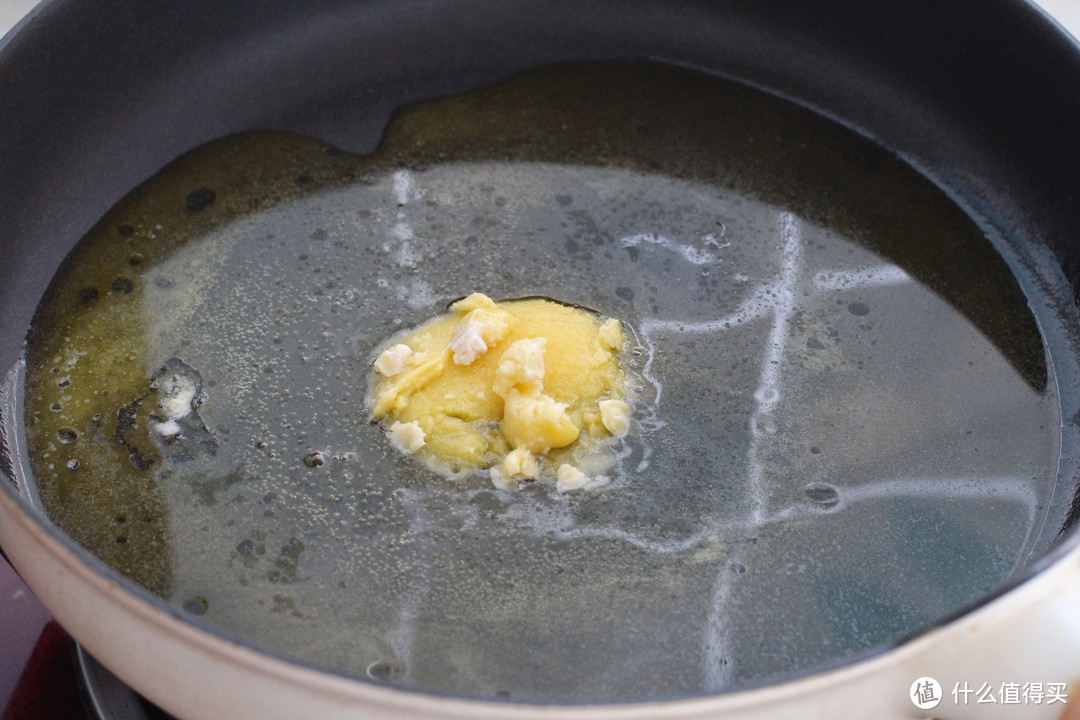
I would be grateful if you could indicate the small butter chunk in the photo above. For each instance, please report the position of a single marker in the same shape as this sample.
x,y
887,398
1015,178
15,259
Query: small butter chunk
x,y
520,463
170,429
479,330
409,437
615,415
535,422
177,394
474,301
396,397
611,334
501,481
568,478
393,360
521,365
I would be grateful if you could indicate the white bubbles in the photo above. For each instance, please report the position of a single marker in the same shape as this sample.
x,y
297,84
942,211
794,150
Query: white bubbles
x,y
687,251
405,187
766,395
882,275
763,424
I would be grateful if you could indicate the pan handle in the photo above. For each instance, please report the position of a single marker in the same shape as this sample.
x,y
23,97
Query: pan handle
x,y
1016,658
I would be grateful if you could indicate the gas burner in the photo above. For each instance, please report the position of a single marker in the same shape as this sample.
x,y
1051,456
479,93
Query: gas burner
x,y
107,697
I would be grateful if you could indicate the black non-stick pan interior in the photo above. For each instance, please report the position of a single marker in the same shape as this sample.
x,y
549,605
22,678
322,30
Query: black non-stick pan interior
x,y
972,98
98,97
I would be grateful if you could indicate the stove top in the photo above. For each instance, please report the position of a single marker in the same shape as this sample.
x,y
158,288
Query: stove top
x,y
45,675
37,666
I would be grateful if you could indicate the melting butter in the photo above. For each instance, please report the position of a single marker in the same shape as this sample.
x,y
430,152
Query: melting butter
x,y
521,389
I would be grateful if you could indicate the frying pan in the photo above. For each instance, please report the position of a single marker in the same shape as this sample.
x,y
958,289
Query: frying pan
x,y
980,97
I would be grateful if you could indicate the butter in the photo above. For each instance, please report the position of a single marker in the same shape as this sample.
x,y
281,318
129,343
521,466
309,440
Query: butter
x,y
409,437
481,329
570,478
615,415
522,365
393,360
396,397
520,389
520,463
535,422
611,334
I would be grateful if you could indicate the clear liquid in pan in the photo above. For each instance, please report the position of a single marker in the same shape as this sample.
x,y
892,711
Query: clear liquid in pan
x,y
841,437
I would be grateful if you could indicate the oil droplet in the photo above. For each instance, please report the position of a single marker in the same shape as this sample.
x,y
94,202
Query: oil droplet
x,y
858,309
67,435
822,494
196,605
122,285
200,199
315,459
385,670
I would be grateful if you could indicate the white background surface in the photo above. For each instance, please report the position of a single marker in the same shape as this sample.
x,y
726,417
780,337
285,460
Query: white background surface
x,y
12,10
1066,12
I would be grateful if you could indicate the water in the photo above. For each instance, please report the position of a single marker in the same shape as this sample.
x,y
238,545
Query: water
x,y
841,438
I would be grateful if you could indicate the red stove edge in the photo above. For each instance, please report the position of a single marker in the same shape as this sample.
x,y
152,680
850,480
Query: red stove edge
x,y
37,668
